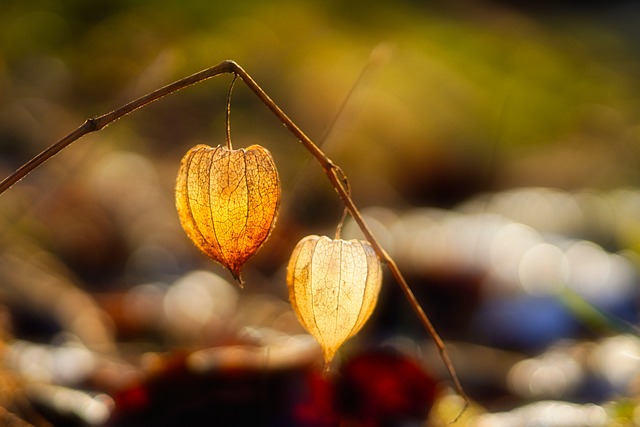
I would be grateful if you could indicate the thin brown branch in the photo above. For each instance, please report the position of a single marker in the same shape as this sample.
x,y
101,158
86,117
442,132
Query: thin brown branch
x,y
333,172
100,122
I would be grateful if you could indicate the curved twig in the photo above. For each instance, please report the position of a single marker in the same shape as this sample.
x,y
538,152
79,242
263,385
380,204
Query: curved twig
x,y
100,122
332,171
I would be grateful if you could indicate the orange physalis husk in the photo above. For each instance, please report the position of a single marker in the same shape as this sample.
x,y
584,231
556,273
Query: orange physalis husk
x,y
228,201
333,288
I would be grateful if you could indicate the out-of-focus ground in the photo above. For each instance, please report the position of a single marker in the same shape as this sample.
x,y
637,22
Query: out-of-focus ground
x,y
493,147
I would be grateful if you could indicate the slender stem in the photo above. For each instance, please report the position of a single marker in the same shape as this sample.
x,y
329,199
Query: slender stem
x,y
333,172
228,112
343,218
345,211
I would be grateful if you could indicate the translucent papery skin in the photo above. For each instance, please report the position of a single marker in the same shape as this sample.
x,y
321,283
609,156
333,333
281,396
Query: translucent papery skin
x,y
228,201
333,288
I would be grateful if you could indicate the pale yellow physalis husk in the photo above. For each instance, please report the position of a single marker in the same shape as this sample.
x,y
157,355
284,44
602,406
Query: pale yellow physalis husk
x,y
333,288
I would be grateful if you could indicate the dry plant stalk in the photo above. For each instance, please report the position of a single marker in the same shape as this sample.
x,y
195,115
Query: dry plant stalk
x,y
332,171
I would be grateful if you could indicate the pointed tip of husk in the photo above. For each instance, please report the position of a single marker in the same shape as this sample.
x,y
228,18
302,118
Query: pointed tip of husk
x,y
329,354
327,368
237,275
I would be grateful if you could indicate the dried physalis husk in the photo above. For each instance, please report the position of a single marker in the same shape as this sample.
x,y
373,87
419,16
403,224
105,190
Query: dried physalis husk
x,y
228,201
333,288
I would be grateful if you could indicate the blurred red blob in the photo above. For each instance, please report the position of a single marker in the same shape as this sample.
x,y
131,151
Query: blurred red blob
x,y
318,406
377,388
384,388
133,399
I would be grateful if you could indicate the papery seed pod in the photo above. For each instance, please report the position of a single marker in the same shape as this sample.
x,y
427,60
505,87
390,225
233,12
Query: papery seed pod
x,y
333,288
228,201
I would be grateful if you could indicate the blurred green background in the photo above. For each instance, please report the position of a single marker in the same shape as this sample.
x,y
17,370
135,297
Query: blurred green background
x,y
422,103
494,93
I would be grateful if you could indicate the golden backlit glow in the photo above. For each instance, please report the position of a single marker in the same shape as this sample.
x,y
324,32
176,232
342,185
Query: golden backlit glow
x,y
228,201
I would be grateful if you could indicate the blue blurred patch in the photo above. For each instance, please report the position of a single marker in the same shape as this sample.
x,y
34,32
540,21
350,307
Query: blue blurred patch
x,y
525,323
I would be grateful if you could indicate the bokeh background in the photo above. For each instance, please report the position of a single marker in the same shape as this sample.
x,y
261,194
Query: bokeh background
x,y
493,147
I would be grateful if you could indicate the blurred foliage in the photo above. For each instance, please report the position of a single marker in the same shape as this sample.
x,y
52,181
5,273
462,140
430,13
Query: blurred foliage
x,y
449,104
501,93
